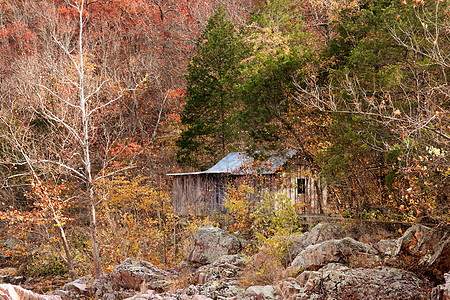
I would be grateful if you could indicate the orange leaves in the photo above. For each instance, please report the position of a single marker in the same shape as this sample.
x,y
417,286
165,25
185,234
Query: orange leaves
x,y
414,240
47,208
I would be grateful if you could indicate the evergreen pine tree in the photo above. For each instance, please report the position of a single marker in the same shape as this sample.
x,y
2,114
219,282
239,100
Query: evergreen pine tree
x,y
209,131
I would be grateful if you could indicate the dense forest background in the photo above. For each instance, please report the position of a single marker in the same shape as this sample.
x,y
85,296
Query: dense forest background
x,y
100,99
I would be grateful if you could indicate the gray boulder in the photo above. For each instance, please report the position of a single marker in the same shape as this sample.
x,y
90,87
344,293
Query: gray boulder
x,y
216,289
386,247
288,288
442,292
412,240
318,234
324,232
225,267
258,292
82,288
151,295
131,274
210,243
426,247
201,297
346,250
336,281
14,292
219,279
339,282
129,278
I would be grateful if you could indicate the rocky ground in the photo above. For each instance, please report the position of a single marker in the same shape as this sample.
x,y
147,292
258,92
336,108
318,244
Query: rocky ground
x,y
328,262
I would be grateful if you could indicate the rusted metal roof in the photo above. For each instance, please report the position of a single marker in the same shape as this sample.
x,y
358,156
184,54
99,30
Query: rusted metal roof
x,y
239,163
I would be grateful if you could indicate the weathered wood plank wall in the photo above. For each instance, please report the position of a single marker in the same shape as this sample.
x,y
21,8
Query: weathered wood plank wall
x,y
203,194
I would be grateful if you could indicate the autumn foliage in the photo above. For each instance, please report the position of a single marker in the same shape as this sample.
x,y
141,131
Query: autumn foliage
x,y
98,99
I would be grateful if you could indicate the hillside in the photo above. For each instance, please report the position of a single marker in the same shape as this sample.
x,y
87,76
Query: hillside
x,y
100,100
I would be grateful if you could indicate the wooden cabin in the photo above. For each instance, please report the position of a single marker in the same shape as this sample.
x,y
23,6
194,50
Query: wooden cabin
x,y
203,193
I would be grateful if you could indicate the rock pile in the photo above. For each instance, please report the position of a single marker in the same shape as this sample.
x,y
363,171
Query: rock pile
x,y
324,263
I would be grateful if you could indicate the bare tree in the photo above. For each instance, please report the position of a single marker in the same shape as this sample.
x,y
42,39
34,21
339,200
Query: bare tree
x,y
55,118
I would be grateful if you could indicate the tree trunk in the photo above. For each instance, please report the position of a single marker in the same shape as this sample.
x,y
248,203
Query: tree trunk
x,y
73,273
93,232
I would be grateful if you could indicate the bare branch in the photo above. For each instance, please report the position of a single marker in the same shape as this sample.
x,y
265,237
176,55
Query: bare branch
x,y
51,116
113,173
57,96
106,104
97,89
60,164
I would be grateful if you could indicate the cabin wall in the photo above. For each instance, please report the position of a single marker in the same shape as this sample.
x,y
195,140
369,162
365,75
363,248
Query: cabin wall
x,y
312,198
198,194
203,194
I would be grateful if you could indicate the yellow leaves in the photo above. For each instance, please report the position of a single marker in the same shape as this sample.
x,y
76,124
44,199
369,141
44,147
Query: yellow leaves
x,y
136,220
239,208
131,194
335,7
267,42
91,67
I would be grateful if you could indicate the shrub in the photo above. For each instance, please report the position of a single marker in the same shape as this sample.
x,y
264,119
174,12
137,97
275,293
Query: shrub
x,y
262,269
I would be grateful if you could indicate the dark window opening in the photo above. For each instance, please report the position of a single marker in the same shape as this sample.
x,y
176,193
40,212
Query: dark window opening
x,y
301,185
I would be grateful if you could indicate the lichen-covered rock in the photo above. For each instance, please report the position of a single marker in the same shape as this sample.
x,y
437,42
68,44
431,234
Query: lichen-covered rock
x,y
442,292
294,245
130,277
288,288
386,247
210,243
346,250
318,234
227,266
324,232
217,289
218,280
14,292
339,282
200,297
130,274
429,248
412,240
82,288
258,292
151,295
